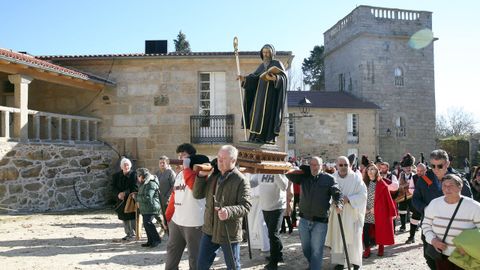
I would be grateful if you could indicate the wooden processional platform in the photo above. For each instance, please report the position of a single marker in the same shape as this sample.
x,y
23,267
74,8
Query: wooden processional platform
x,y
262,158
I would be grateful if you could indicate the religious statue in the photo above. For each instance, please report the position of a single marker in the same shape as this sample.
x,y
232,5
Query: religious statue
x,y
264,99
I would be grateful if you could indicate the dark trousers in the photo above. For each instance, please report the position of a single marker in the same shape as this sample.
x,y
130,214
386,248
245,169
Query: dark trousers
x,y
367,239
286,219
430,261
296,201
152,234
273,219
444,264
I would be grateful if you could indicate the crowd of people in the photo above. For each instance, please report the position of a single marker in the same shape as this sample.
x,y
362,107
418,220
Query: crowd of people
x,y
350,206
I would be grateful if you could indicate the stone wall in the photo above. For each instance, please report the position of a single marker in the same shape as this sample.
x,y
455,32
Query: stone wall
x,y
42,177
147,114
325,133
366,49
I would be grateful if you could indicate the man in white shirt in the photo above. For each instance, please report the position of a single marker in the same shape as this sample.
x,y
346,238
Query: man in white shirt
x,y
273,202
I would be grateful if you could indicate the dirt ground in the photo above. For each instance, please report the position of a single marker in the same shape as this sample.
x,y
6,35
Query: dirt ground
x,y
89,240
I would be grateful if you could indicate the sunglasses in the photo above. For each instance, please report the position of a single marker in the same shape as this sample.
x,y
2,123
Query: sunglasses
x,y
436,166
342,165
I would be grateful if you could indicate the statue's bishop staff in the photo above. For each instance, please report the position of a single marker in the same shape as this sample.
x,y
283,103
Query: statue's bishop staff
x,y
235,48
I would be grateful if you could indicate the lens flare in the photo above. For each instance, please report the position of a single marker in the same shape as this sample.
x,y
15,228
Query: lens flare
x,y
421,39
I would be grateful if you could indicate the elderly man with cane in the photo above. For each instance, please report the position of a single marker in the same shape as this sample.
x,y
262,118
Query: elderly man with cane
x,y
227,196
355,200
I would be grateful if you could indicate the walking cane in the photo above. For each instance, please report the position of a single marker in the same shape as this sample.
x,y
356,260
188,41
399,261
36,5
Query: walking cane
x,y
248,238
230,250
343,239
164,216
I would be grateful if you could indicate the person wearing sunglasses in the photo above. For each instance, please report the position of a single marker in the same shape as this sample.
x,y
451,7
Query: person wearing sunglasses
x,y
430,187
353,215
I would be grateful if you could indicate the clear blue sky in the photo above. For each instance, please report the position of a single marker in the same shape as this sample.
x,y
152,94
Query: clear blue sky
x,y
50,27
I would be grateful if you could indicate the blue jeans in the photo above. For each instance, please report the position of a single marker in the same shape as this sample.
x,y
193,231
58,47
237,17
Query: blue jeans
x,y
312,237
208,251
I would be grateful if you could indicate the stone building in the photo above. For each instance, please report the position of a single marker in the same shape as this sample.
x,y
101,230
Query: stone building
x,y
64,128
368,54
337,124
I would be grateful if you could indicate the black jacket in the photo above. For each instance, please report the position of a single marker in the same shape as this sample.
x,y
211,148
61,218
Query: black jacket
x,y
124,183
316,193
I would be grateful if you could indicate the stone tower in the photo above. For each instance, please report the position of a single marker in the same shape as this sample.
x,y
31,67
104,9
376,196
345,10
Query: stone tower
x,y
368,54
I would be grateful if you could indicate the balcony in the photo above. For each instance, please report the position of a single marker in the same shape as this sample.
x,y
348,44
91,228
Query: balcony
x,y
352,138
48,127
212,129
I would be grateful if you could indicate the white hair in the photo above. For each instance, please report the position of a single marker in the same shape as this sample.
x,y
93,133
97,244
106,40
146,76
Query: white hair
x,y
232,151
344,158
319,159
123,161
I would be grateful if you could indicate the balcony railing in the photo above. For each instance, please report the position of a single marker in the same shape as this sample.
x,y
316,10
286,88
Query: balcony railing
x,y
213,129
352,137
401,132
51,127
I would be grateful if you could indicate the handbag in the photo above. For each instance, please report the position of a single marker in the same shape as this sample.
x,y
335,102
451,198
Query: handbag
x,y
130,206
431,251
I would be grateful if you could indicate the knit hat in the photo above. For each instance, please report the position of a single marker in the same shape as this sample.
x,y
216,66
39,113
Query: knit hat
x,y
407,160
364,161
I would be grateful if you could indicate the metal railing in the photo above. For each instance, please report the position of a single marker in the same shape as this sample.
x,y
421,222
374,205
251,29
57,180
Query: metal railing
x,y
213,129
52,127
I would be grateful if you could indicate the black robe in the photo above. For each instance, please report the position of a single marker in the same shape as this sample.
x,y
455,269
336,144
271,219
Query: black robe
x,y
124,183
264,103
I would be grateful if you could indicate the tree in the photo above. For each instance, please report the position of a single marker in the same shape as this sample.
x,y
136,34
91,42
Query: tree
x,y
295,80
314,69
181,43
456,122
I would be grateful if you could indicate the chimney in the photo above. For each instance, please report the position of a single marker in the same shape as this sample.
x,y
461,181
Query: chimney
x,y
156,47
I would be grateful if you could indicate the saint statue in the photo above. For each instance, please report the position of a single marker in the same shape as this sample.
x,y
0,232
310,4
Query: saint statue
x,y
265,96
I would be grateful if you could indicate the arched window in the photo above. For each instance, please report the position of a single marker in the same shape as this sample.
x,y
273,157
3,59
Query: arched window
x,y
400,127
398,76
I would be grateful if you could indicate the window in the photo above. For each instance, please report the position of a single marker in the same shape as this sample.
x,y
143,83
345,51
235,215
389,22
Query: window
x,y
204,100
341,82
352,128
291,128
398,77
400,127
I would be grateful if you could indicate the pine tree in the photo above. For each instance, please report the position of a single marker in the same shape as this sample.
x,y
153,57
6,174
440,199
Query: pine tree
x,y
181,43
314,70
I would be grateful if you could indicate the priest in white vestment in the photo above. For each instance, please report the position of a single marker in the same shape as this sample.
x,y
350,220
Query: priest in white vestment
x,y
355,202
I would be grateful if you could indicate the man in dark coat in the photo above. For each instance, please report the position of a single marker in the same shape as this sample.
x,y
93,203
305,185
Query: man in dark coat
x,y
125,182
265,96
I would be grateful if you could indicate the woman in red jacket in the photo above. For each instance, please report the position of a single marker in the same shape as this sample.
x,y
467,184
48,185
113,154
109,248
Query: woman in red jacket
x,y
380,212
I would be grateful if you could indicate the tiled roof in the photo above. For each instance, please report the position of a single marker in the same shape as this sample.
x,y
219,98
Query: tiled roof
x,y
143,55
29,60
32,61
329,99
